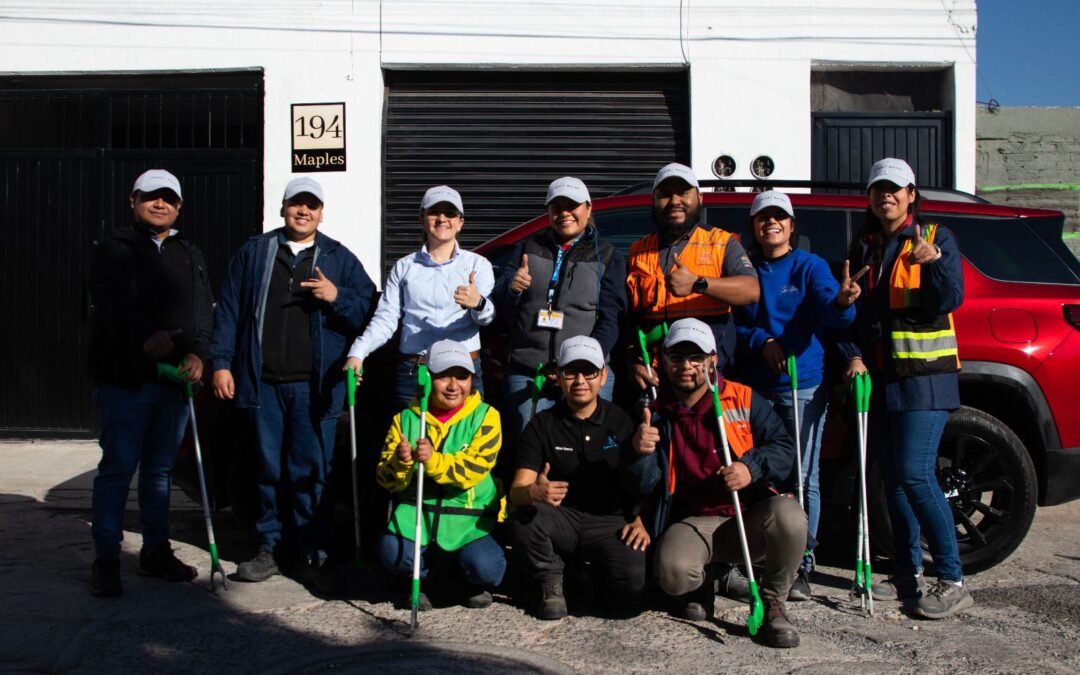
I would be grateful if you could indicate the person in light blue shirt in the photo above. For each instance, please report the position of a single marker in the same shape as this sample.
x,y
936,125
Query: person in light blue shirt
x,y
800,301
438,293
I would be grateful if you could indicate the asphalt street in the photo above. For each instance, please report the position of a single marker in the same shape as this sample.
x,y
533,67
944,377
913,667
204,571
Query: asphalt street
x,y
1026,617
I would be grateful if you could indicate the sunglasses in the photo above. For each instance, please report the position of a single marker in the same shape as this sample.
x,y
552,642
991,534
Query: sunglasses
x,y
571,372
436,211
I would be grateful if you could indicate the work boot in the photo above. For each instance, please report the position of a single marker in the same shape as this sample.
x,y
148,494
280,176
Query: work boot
x,y
105,577
701,602
552,602
260,568
942,600
732,583
476,597
779,632
905,588
160,561
324,576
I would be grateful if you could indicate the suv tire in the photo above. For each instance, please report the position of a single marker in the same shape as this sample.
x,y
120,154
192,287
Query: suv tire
x,y
987,474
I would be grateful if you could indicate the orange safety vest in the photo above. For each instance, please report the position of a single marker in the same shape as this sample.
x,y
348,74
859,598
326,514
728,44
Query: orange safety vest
x,y
646,277
735,399
920,343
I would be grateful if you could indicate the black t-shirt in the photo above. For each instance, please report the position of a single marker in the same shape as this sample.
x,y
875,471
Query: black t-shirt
x,y
590,454
286,337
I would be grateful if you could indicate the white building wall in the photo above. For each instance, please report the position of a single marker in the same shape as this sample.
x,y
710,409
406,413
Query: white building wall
x,y
750,63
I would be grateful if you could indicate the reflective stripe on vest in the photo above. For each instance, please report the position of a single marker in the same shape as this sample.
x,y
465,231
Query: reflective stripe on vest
x,y
920,344
647,277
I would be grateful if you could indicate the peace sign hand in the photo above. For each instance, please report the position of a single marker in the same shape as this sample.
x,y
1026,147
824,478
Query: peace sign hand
x,y
680,280
468,296
849,285
923,251
321,287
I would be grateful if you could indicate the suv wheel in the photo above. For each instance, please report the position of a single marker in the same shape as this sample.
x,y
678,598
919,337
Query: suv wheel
x,y
987,476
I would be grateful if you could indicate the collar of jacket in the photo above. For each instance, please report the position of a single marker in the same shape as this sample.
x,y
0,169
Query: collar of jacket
x,y
548,238
567,417
324,243
143,230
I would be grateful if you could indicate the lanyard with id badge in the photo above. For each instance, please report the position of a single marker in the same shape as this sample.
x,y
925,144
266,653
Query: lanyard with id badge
x,y
548,318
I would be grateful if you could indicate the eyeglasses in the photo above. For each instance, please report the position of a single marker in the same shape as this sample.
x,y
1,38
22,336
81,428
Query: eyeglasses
x,y
677,359
571,372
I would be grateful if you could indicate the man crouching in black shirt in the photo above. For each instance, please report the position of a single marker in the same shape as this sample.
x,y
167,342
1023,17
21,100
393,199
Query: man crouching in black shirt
x,y
567,491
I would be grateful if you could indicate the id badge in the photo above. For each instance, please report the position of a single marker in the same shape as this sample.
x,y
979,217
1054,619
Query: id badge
x,y
550,319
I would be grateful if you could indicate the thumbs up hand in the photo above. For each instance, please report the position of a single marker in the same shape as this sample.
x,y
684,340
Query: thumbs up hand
x,y
468,296
647,437
923,251
550,492
522,280
680,280
321,287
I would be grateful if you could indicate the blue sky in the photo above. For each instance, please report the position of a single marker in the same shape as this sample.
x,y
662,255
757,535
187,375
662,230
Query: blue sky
x,y
1029,52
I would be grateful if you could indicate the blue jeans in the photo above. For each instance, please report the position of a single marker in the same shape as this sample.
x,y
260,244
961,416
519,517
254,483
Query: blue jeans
x,y
907,447
139,429
519,390
406,389
482,560
295,457
813,403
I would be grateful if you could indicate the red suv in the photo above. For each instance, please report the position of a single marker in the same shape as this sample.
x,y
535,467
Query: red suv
x,y
1014,443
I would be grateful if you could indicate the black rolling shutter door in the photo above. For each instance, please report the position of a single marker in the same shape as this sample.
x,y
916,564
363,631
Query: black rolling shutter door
x,y
501,137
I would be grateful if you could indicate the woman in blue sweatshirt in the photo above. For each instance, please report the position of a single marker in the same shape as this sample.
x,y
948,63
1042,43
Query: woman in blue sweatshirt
x,y
800,300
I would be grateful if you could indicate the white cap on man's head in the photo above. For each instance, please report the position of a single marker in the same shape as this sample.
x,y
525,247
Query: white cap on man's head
x,y
581,348
695,331
157,179
442,193
571,188
447,354
676,170
772,198
303,184
894,170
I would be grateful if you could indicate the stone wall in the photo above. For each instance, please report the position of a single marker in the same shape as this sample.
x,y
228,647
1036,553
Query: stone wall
x,y
1031,157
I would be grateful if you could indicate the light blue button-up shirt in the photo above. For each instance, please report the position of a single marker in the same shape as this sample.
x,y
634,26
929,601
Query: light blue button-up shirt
x,y
420,294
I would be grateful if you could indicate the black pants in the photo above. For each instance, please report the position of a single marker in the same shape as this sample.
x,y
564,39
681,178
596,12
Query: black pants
x,y
544,534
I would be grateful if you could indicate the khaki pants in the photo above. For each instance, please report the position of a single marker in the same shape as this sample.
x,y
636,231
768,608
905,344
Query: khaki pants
x,y
775,533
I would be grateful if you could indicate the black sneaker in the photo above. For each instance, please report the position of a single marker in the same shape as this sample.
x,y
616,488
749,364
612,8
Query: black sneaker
x,y
800,590
732,583
779,631
105,577
259,568
477,598
160,561
942,600
552,601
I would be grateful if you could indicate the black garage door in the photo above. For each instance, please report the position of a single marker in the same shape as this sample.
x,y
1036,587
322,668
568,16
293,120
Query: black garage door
x,y
70,148
501,137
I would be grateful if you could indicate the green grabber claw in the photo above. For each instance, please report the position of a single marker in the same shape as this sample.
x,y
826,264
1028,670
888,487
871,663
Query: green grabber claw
x,y
656,334
423,382
861,386
756,618
175,374
539,379
350,399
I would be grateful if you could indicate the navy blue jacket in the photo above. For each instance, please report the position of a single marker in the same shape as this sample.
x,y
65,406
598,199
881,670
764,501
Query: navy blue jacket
x,y
241,308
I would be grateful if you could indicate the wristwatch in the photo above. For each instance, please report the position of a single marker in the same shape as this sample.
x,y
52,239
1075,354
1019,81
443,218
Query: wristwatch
x,y
701,285
480,305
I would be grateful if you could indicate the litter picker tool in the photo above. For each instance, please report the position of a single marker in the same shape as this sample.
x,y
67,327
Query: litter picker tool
x,y
423,380
860,384
657,334
539,379
793,375
173,373
350,398
757,608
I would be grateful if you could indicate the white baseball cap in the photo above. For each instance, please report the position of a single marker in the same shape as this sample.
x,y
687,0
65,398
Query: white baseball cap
x,y
303,184
447,354
157,179
770,198
894,170
581,348
571,188
694,331
442,193
676,170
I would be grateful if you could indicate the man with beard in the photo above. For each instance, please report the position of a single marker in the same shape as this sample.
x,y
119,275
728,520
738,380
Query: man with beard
x,y
685,270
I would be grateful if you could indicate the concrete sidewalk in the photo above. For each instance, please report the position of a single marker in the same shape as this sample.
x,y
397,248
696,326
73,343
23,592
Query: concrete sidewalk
x,y
1026,618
